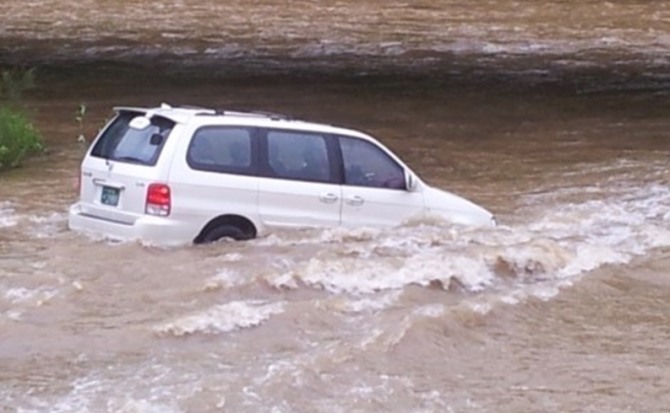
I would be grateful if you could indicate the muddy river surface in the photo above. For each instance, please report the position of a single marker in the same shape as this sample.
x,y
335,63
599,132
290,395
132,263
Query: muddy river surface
x,y
552,114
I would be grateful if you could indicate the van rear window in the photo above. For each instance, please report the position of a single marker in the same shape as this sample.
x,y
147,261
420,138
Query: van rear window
x,y
123,143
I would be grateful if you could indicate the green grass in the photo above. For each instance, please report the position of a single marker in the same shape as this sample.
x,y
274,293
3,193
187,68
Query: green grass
x,y
18,138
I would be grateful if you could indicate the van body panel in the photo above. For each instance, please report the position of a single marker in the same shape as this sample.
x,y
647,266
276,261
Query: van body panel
x,y
379,206
216,164
115,189
147,229
200,196
456,209
293,203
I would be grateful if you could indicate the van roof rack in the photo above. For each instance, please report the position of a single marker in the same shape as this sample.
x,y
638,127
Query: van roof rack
x,y
251,113
272,115
194,107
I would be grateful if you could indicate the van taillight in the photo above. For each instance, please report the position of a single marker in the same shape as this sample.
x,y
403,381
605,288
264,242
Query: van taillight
x,y
158,200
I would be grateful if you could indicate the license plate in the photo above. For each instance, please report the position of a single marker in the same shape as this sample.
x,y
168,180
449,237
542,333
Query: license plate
x,y
110,196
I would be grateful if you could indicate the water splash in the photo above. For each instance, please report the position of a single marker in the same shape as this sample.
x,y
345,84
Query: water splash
x,y
222,318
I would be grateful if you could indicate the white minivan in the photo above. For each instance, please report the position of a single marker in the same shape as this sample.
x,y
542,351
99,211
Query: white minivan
x,y
170,176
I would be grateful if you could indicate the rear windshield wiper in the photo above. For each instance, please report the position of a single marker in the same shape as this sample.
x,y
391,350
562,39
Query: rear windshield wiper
x,y
129,159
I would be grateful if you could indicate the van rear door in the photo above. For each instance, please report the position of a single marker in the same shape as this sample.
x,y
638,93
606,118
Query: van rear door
x,y
300,185
121,164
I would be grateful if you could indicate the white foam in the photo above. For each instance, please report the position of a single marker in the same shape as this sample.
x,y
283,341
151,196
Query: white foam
x,y
479,307
226,278
371,303
14,315
100,392
18,295
359,275
131,405
22,295
431,311
8,216
334,235
557,243
342,234
47,226
232,257
283,281
223,318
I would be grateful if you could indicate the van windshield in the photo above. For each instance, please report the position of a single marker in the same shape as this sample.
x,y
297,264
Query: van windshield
x,y
121,142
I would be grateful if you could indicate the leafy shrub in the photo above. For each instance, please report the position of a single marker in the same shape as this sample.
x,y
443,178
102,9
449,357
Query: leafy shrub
x,y
18,138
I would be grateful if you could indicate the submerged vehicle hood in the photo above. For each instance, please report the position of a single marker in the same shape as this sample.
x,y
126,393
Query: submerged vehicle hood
x,y
456,209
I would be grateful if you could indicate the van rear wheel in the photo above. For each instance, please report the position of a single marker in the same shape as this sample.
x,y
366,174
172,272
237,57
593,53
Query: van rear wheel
x,y
224,231
226,226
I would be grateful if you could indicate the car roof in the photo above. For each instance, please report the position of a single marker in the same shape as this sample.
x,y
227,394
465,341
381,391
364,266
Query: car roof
x,y
207,116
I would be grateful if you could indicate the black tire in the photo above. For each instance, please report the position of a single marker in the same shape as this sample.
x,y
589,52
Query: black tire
x,y
224,231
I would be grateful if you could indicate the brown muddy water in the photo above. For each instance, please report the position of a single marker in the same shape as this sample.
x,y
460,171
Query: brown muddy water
x,y
551,114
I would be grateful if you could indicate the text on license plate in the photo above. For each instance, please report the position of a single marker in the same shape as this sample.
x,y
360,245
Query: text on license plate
x,y
110,196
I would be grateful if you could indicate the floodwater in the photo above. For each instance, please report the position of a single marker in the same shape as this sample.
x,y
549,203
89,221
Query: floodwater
x,y
552,114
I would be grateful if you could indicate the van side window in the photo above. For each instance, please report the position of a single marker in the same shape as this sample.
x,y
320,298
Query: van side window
x,y
221,149
295,155
365,164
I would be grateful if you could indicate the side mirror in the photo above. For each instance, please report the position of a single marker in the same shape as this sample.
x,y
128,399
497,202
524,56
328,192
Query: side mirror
x,y
411,181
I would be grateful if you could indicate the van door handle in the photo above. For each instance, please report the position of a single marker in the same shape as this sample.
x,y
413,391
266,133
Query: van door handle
x,y
354,200
328,198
